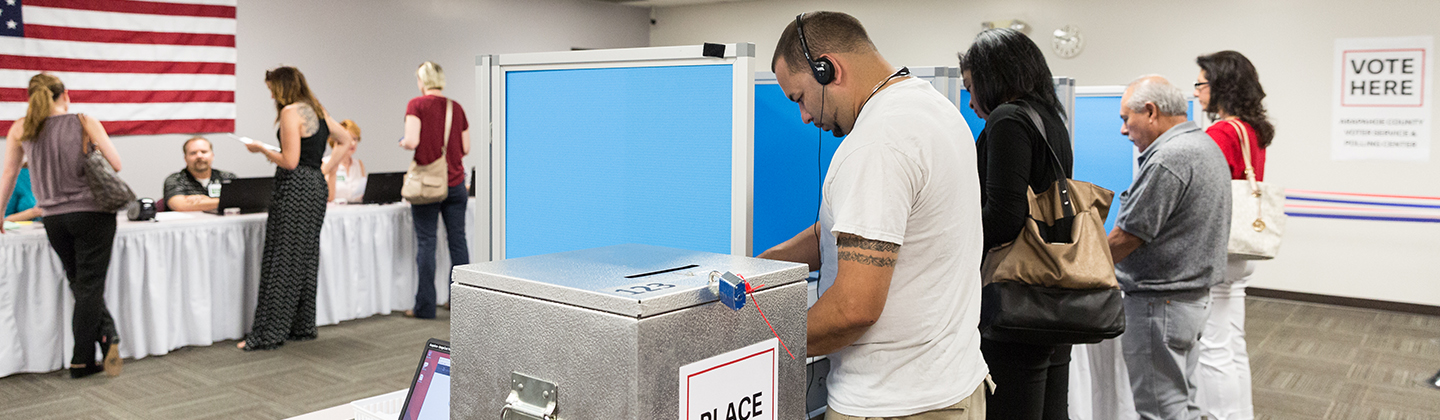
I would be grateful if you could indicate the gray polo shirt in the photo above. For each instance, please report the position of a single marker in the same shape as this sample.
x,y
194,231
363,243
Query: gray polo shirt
x,y
1180,207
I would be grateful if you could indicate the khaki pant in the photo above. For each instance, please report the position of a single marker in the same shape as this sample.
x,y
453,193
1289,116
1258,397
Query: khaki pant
x,y
970,408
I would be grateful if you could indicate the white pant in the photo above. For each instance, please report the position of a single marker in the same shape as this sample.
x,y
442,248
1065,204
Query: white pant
x,y
1223,377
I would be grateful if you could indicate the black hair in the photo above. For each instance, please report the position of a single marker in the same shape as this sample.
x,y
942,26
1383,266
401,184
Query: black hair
x,y
1235,88
1006,65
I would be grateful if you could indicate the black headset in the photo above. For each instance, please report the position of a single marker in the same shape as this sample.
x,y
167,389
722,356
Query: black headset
x,y
823,69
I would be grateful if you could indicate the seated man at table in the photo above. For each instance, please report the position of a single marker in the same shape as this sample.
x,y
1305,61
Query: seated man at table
x,y
197,187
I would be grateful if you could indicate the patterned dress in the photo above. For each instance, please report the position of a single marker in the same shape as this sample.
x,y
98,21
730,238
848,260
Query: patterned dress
x,y
285,306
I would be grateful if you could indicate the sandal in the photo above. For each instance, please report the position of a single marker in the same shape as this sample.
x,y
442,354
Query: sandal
x,y
86,370
244,345
112,363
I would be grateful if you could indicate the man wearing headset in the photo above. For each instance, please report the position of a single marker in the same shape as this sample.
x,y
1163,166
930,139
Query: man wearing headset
x,y
898,240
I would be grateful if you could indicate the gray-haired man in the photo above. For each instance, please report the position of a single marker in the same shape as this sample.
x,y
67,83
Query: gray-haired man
x,y
1168,245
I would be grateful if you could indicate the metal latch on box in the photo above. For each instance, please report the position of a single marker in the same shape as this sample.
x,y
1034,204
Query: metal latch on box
x,y
530,399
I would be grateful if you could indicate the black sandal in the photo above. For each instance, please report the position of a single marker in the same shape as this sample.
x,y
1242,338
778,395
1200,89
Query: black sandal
x,y
87,370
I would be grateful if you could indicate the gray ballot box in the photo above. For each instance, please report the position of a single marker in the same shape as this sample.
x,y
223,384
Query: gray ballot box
x,y
617,332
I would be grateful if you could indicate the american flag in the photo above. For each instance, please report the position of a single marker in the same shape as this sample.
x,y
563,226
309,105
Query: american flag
x,y
140,67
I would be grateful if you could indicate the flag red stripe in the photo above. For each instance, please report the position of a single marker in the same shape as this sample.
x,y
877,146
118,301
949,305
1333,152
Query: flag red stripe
x,y
128,128
19,62
125,128
145,7
129,96
60,33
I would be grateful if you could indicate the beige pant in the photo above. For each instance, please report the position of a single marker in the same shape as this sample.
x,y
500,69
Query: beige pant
x,y
970,408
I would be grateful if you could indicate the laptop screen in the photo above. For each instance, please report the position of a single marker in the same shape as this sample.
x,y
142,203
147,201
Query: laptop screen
x,y
430,393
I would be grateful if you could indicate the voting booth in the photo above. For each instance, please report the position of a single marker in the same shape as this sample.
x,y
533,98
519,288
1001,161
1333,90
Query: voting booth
x,y
628,332
605,147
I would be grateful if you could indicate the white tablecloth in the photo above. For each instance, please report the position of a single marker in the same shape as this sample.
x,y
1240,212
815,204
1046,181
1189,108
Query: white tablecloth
x,y
193,281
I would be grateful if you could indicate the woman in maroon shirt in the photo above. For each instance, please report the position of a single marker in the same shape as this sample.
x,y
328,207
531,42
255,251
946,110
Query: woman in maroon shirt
x,y
424,127
1229,89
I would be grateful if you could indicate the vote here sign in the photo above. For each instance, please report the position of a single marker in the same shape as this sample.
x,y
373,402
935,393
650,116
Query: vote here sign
x,y
738,385
1382,97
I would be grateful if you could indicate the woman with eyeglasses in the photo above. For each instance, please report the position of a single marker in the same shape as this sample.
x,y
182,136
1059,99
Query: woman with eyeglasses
x,y
1228,88
285,306
1006,73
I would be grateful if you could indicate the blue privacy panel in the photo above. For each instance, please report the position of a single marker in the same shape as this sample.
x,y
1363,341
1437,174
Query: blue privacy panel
x,y
789,165
597,157
1103,156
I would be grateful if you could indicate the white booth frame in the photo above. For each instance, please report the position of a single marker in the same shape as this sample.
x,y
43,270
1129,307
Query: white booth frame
x,y
490,72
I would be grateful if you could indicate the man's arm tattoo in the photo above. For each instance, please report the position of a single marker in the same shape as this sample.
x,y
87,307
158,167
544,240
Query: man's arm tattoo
x,y
866,259
854,241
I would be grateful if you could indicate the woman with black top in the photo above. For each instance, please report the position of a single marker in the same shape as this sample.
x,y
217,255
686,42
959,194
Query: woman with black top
x,y
1006,73
285,306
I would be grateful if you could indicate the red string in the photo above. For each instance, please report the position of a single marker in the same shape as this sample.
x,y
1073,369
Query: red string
x,y
751,291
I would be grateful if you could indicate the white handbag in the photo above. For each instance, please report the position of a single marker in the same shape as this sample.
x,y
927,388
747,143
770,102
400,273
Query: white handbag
x,y
1257,218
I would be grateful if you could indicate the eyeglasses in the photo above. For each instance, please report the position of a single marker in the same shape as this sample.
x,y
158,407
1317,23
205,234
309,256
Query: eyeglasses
x,y
1201,84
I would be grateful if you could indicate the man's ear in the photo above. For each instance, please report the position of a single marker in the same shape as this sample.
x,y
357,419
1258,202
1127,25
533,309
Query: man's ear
x,y
1152,111
837,69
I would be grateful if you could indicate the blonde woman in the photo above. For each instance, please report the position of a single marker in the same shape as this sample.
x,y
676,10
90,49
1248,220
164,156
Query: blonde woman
x,y
55,142
424,129
285,306
346,180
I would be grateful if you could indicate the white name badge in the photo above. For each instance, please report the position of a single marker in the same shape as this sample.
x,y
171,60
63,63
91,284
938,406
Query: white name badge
x,y
740,384
214,189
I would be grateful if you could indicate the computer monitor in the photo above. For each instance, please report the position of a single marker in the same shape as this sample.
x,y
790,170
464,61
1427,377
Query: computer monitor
x,y
429,397
383,187
250,195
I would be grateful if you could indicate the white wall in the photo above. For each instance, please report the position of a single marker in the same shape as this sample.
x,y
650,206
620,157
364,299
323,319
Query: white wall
x,y
359,57
1291,43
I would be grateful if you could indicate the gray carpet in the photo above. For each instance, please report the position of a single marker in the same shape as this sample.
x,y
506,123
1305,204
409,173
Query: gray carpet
x,y
1309,362
1325,362
350,361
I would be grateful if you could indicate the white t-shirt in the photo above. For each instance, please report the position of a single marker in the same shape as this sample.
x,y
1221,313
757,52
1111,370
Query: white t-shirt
x,y
907,174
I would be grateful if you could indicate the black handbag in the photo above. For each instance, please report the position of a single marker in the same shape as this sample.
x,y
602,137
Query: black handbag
x,y
1055,283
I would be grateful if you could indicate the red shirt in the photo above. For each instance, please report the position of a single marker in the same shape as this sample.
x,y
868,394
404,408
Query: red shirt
x,y
1229,141
430,110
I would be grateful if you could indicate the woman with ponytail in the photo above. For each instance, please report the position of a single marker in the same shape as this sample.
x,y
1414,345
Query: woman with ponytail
x,y
55,142
1228,87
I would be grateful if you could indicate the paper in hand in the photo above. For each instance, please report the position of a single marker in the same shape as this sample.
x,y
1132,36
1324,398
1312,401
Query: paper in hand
x,y
248,140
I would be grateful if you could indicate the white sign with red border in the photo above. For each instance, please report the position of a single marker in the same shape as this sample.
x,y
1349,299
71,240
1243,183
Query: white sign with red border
x,y
738,385
1381,107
